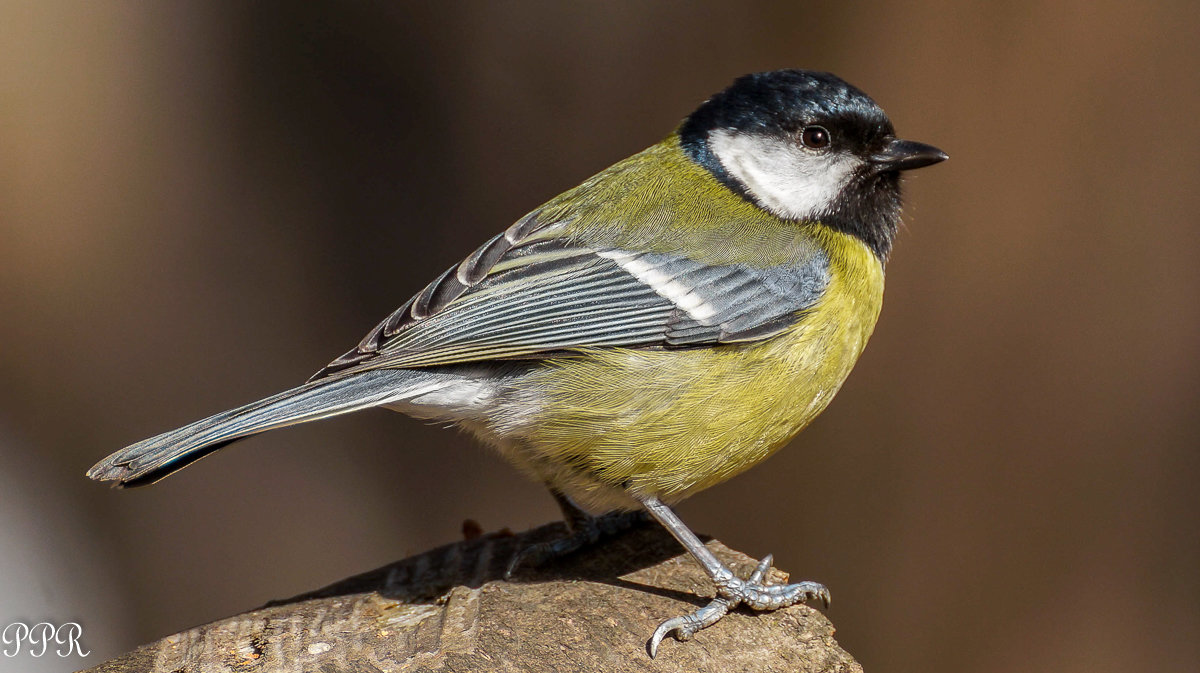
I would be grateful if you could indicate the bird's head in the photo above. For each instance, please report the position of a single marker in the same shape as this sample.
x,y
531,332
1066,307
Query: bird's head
x,y
807,146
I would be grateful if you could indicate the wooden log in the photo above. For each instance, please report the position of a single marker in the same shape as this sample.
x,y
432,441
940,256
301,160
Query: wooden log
x,y
450,609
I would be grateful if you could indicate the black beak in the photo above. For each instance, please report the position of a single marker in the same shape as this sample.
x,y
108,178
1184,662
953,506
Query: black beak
x,y
905,155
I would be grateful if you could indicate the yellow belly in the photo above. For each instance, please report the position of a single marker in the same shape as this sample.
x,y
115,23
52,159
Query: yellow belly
x,y
669,423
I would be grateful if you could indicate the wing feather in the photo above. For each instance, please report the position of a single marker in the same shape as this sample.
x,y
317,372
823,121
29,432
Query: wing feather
x,y
526,292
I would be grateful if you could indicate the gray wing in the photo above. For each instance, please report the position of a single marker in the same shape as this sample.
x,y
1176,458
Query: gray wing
x,y
521,296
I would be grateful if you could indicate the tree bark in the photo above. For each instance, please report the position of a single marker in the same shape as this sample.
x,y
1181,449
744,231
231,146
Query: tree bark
x,y
450,609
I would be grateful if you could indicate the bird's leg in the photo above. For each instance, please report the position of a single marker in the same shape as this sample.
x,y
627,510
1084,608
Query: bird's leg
x,y
574,515
583,529
731,590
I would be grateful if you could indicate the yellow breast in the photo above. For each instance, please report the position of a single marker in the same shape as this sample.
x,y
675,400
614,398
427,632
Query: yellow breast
x,y
672,422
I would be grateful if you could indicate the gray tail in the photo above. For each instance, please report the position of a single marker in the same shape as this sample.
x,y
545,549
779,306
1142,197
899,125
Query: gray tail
x,y
152,459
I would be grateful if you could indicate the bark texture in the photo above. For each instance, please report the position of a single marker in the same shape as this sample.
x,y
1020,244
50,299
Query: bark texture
x,y
450,609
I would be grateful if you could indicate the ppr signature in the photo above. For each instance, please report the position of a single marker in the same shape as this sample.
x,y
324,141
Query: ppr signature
x,y
39,637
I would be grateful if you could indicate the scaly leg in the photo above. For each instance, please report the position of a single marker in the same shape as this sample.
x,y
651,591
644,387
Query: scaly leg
x,y
731,590
583,530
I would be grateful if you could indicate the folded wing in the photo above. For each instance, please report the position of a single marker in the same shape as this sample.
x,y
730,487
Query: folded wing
x,y
532,292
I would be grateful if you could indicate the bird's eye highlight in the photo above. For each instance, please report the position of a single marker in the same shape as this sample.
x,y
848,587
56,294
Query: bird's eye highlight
x,y
815,137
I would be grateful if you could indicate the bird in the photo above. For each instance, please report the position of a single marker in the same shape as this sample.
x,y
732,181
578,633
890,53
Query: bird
x,y
663,326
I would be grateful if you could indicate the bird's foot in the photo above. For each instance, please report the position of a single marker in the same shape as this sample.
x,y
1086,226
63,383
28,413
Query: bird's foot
x,y
732,592
583,531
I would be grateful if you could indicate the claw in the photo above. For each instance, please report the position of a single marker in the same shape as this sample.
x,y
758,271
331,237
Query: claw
x,y
825,597
516,561
661,632
686,626
731,590
752,592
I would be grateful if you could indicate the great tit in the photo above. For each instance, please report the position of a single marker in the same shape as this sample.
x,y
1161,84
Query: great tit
x,y
667,324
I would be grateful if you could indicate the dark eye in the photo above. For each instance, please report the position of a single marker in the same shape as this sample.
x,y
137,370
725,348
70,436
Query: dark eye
x,y
815,137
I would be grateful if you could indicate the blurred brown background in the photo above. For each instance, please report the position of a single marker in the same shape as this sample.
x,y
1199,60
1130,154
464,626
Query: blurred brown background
x,y
202,203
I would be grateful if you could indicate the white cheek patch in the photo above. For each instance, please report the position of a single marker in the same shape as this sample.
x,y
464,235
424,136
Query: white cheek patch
x,y
784,178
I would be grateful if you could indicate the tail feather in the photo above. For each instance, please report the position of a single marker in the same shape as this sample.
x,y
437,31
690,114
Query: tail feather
x,y
152,459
